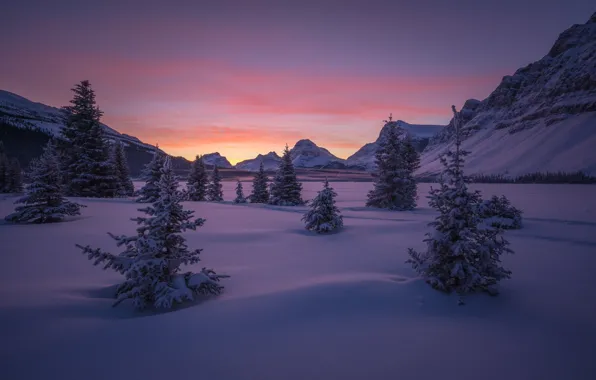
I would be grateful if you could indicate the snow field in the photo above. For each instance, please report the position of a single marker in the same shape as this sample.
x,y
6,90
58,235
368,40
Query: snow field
x,y
303,306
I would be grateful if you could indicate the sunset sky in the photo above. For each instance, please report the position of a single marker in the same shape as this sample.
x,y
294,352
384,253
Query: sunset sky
x,y
205,76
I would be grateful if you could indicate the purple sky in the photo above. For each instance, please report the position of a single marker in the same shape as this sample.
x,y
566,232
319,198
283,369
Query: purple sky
x,y
201,76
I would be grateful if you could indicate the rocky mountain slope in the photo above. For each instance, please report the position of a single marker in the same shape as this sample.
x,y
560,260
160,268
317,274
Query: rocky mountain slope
x,y
307,154
270,162
364,158
541,118
216,159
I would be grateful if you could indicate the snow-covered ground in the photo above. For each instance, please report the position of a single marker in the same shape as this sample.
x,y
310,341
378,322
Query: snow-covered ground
x,y
301,306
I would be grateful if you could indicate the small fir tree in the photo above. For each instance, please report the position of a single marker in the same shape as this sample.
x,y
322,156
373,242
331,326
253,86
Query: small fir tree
x,y
260,191
149,193
197,181
239,193
463,253
323,216
285,189
152,258
119,163
44,201
215,189
394,184
499,212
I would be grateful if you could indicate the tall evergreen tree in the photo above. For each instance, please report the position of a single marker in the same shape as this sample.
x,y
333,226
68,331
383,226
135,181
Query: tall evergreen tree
x,y
394,185
463,252
215,188
286,190
14,176
197,181
151,259
149,193
44,201
260,191
323,216
240,198
88,171
120,166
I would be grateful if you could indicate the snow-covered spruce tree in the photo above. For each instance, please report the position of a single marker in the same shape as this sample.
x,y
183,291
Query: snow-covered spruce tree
x,y
215,188
285,189
463,253
197,181
499,212
260,189
151,174
120,167
240,198
44,201
323,216
88,171
394,184
151,259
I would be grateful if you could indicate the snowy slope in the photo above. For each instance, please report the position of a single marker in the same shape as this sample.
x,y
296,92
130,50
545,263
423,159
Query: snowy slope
x,y
218,159
21,112
306,154
420,134
270,162
542,118
299,306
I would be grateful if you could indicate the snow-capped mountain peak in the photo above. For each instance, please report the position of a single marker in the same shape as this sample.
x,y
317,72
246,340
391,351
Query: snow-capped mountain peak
x,y
216,159
270,162
306,154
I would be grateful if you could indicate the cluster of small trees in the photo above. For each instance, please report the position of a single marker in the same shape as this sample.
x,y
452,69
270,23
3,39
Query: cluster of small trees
x,y
80,162
11,176
463,253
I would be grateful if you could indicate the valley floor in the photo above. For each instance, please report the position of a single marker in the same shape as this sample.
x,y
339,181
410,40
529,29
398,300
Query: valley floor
x,y
300,306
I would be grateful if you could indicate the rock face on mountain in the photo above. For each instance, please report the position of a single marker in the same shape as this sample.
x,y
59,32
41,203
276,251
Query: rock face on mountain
x,y
270,162
541,118
364,158
25,126
217,159
306,154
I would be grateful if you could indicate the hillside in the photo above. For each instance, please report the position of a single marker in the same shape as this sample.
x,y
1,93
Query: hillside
x,y
541,118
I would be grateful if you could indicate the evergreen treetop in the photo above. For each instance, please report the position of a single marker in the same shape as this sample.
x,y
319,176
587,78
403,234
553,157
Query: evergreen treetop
x,y
285,189
215,188
323,215
260,189
197,181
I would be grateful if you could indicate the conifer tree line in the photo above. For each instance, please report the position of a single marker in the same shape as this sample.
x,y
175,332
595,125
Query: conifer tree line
x,y
11,174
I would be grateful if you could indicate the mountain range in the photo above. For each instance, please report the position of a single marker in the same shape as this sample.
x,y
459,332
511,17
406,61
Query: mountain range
x,y
541,118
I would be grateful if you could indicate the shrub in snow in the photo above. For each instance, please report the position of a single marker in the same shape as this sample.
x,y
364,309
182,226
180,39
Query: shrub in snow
x,y
149,193
323,215
394,184
120,166
88,171
463,253
239,193
499,212
285,189
215,188
260,191
44,201
151,260
196,185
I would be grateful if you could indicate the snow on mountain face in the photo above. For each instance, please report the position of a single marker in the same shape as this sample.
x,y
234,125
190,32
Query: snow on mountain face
x,y
421,134
306,154
216,159
23,113
270,162
539,119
